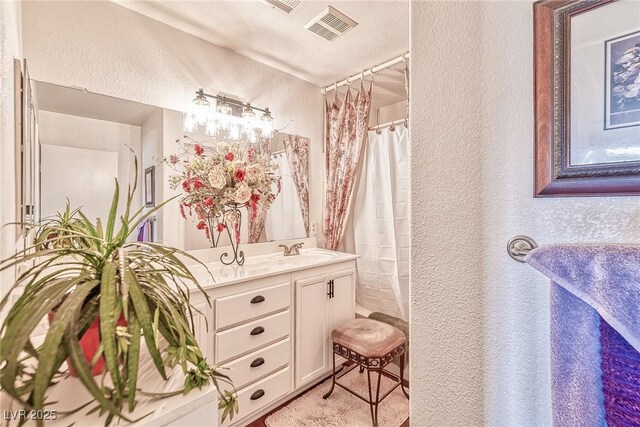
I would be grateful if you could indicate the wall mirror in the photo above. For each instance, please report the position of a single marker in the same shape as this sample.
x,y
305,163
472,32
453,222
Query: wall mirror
x,y
87,139
587,107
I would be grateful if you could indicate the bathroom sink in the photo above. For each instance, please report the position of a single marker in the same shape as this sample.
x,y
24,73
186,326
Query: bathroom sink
x,y
304,257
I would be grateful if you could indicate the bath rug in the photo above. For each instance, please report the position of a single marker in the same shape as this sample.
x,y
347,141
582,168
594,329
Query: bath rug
x,y
342,409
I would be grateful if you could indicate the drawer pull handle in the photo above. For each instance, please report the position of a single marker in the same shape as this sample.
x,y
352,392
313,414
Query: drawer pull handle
x,y
257,299
257,330
257,394
259,361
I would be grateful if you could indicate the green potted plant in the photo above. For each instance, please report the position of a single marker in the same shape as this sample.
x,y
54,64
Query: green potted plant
x,y
135,293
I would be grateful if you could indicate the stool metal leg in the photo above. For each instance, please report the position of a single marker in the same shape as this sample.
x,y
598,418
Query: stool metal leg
x,y
373,415
375,420
402,376
333,377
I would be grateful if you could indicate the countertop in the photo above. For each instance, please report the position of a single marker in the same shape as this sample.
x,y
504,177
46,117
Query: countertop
x,y
256,267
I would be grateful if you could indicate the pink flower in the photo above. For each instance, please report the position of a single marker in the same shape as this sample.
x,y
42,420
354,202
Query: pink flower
x,y
239,175
185,186
251,154
197,183
182,212
173,159
201,225
229,156
208,202
221,227
198,149
255,198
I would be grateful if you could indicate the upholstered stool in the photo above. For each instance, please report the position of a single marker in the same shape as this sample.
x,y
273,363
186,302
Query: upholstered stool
x,y
372,345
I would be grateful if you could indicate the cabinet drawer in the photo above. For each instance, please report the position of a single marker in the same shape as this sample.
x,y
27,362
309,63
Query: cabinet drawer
x,y
238,308
250,336
260,394
258,364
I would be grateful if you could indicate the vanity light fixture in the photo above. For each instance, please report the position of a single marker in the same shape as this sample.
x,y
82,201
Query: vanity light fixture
x,y
219,116
267,127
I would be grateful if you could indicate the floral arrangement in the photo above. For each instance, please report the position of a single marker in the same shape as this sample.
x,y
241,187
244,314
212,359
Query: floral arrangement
x,y
217,181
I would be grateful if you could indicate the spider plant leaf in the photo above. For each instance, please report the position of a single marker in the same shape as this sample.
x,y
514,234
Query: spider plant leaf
x,y
29,315
144,316
111,222
133,361
131,191
84,371
108,323
99,229
64,316
88,226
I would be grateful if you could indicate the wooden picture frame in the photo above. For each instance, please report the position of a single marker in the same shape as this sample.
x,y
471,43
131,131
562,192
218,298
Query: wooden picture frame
x,y
557,172
150,186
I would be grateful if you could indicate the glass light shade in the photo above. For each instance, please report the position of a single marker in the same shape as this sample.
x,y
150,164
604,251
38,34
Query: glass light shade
x,y
267,125
224,115
201,110
212,128
235,132
248,118
189,123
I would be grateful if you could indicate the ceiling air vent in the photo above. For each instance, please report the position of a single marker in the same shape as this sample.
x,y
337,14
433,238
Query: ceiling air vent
x,y
330,24
284,5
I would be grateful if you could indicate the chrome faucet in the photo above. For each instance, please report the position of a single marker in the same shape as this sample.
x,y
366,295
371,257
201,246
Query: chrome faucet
x,y
292,250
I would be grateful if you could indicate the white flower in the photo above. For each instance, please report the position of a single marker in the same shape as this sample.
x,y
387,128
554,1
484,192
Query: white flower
x,y
254,172
243,194
274,165
217,178
238,164
223,147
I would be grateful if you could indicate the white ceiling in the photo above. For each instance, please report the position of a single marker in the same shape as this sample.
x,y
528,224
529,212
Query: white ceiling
x,y
275,38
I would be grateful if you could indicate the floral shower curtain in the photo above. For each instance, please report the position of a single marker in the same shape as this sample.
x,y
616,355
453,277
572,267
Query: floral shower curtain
x,y
346,131
297,150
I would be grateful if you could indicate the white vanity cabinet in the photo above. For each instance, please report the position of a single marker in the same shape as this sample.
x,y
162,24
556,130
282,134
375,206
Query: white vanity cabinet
x,y
325,298
270,332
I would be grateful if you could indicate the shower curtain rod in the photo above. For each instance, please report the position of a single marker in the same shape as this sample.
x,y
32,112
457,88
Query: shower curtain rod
x,y
366,73
389,124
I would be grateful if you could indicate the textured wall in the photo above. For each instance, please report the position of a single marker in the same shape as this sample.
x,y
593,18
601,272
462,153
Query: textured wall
x,y
479,320
10,48
111,50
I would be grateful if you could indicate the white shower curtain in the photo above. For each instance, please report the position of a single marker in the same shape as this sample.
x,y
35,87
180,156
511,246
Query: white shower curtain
x,y
284,217
381,224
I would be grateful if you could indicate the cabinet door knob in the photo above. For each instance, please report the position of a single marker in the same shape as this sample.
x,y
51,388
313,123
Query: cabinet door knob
x,y
257,394
257,330
257,299
259,361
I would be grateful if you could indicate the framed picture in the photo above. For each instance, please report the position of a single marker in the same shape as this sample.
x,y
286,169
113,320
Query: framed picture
x,y
150,186
587,97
